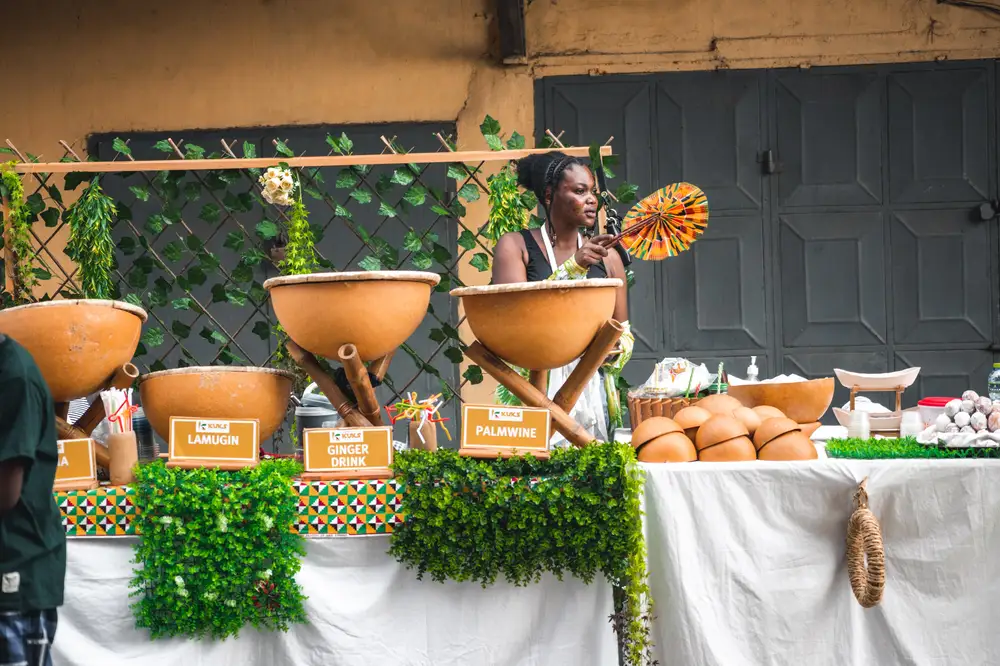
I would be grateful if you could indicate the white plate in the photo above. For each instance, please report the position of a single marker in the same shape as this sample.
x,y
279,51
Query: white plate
x,y
882,380
876,422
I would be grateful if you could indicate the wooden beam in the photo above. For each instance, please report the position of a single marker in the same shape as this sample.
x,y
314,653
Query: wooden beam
x,y
510,22
469,156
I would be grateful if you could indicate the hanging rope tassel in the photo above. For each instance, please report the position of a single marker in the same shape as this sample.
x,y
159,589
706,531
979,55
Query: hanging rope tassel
x,y
865,552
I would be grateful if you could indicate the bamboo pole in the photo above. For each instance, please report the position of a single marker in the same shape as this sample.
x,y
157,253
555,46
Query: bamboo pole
x,y
592,360
380,366
528,394
357,377
66,431
540,380
311,366
296,162
122,379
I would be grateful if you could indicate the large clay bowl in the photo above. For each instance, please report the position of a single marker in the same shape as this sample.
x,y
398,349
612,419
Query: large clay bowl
x,y
77,344
803,402
376,311
539,325
220,392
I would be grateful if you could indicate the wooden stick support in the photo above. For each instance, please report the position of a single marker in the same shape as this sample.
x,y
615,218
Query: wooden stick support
x,y
357,377
62,410
66,431
122,379
540,380
528,394
380,366
352,417
592,360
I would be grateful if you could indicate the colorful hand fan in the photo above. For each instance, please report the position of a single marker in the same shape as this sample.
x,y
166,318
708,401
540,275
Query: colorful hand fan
x,y
665,223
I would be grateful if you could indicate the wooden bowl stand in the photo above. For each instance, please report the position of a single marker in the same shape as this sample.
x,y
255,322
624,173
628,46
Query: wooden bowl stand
x,y
365,413
86,424
533,391
898,390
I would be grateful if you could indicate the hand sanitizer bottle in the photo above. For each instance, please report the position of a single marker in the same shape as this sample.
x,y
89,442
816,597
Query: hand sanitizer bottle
x,y
752,370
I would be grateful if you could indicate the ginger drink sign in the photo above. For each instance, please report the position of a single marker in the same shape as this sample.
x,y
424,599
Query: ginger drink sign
x,y
226,442
76,465
491,430
348,453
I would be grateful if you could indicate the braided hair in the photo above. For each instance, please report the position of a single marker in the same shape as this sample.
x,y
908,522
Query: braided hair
x,y
542,172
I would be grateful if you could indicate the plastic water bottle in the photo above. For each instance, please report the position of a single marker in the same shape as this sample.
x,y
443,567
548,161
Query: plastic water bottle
x,y
993,383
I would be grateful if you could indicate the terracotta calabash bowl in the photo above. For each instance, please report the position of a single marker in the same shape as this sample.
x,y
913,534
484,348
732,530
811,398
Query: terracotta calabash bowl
x,y
720,403
220,392
660,439
691,418
77,344
374,310
803,402
539,325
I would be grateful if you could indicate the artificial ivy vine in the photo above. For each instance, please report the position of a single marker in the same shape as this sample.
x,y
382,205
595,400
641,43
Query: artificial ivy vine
x,y
577,513
18,228
90,245
217,550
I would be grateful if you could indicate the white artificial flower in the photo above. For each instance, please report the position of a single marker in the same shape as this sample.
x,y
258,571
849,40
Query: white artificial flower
x,y
182,592
272,172
268,522
267,575
209,596
222,523
179,581
287,183
272,186
166,520
231,603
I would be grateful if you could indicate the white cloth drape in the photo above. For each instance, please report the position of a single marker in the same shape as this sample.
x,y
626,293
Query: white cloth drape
x,y
747,563
364,608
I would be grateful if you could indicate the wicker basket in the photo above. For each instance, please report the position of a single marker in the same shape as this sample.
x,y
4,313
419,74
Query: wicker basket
x,y
640,409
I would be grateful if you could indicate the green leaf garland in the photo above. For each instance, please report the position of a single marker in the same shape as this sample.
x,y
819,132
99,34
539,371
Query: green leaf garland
x,y
90,245
577,513
18,226
217,551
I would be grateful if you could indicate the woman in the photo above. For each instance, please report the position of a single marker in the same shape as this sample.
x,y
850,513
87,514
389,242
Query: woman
x,y
566,189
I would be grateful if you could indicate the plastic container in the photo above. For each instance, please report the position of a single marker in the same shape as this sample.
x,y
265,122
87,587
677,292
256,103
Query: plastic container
x,y
859,426
930,408
911,424
993,383
316,411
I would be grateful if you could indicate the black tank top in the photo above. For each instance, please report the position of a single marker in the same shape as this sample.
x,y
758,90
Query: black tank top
x,y
538,262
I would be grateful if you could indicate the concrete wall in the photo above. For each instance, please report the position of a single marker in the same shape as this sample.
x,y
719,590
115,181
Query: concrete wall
x,y
75,68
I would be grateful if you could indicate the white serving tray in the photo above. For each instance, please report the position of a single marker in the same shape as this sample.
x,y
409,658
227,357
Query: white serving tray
x,y
882,380
877,422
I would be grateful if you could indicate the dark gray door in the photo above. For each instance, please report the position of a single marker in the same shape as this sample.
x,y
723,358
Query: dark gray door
x,y
845,228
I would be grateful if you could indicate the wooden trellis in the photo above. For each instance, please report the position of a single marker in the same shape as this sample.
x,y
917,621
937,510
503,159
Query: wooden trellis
x,y
152,174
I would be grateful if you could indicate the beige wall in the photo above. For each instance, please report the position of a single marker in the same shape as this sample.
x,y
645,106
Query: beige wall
x,y
73,68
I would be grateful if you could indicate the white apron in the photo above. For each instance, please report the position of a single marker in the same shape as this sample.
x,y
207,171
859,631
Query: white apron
x,y
590,408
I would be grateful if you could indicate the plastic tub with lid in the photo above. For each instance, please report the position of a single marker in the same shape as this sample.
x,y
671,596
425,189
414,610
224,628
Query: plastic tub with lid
x,y
316,411
930,408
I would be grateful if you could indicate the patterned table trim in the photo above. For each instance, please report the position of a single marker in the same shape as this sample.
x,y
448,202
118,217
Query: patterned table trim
x,y
326,508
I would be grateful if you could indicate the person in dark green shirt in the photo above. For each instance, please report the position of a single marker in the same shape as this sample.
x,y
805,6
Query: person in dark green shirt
x,y
32,538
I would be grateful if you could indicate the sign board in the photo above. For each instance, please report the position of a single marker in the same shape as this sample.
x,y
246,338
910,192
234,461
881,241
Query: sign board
x,y
347,453
76,468
491,430
223,443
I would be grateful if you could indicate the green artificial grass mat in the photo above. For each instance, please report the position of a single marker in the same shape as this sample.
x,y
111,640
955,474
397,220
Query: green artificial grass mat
x,y
905,447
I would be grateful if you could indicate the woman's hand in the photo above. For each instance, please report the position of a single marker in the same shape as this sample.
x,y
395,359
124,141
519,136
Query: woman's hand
x,y
593,251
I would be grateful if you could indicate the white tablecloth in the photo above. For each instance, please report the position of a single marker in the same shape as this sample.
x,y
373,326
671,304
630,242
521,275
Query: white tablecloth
x,y
363,608
747,563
